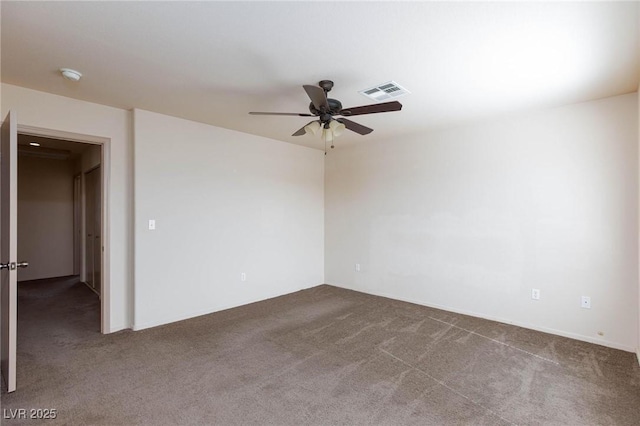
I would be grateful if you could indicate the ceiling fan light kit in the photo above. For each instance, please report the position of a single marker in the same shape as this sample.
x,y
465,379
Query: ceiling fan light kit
x,y
336,127
327,135
324,109
312,128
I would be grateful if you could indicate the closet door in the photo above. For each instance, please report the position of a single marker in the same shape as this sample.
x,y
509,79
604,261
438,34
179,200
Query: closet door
x,y
89,227
77,224
97,229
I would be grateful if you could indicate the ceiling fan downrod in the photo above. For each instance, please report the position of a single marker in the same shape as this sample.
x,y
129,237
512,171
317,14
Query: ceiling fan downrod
x,y
326,85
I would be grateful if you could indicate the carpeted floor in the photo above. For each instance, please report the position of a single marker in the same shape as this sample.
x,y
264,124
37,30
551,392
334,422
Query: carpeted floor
x,y
321,356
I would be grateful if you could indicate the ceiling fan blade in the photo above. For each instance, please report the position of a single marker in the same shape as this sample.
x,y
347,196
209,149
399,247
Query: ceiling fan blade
x,y
283,113
372,109
355,127
318,97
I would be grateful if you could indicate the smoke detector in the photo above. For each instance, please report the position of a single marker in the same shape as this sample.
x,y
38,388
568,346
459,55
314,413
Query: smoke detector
x,y
70,74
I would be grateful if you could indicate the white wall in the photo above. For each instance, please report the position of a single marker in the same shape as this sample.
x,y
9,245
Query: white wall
x,y
39,109
224,203
45,217
471,219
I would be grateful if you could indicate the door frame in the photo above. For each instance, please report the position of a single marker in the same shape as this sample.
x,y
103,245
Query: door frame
x,y
105,273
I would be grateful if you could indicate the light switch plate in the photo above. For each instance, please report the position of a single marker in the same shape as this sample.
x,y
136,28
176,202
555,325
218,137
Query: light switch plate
x,y
152,224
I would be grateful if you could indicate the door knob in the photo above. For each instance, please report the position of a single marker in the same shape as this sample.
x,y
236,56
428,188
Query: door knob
x,y
13,265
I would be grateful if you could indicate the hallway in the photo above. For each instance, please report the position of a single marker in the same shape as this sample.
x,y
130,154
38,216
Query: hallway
x,y
53,314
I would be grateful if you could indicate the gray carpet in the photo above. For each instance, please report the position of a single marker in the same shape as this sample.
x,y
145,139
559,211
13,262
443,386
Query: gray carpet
x,y
321,356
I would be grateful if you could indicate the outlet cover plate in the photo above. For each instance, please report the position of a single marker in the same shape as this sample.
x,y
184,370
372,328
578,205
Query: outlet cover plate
x,y
585,302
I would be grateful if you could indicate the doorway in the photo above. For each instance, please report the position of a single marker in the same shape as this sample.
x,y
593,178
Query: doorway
x,y
56,178
10,229
88,259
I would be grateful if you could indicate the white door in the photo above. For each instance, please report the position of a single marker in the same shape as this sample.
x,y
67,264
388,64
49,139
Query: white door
x,y
8,247
89,228
93,224
96,216
77,223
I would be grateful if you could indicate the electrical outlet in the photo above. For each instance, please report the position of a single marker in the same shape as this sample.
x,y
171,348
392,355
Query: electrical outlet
x,y
243,276
357,267
535,293
585,302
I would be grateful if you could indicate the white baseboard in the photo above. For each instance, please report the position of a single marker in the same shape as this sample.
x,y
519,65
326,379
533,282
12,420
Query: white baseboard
x,y
562,333
116,328
638,355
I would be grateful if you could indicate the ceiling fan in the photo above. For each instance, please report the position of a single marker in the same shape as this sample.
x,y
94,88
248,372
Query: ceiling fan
x,y
326,108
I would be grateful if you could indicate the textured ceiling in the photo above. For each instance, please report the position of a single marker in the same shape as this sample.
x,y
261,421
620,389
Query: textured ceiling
x,y
214,62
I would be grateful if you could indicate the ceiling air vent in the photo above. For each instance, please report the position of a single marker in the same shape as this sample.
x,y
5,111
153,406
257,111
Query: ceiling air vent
x,y
384,91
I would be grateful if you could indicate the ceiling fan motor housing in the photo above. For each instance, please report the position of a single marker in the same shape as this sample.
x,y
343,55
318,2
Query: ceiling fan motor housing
x,y
335,106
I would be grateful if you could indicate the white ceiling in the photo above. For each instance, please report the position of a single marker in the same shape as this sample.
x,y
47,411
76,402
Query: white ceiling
x,y
214,62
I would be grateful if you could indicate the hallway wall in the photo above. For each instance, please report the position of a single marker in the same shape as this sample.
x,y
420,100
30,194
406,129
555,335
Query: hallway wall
x,y
45,217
